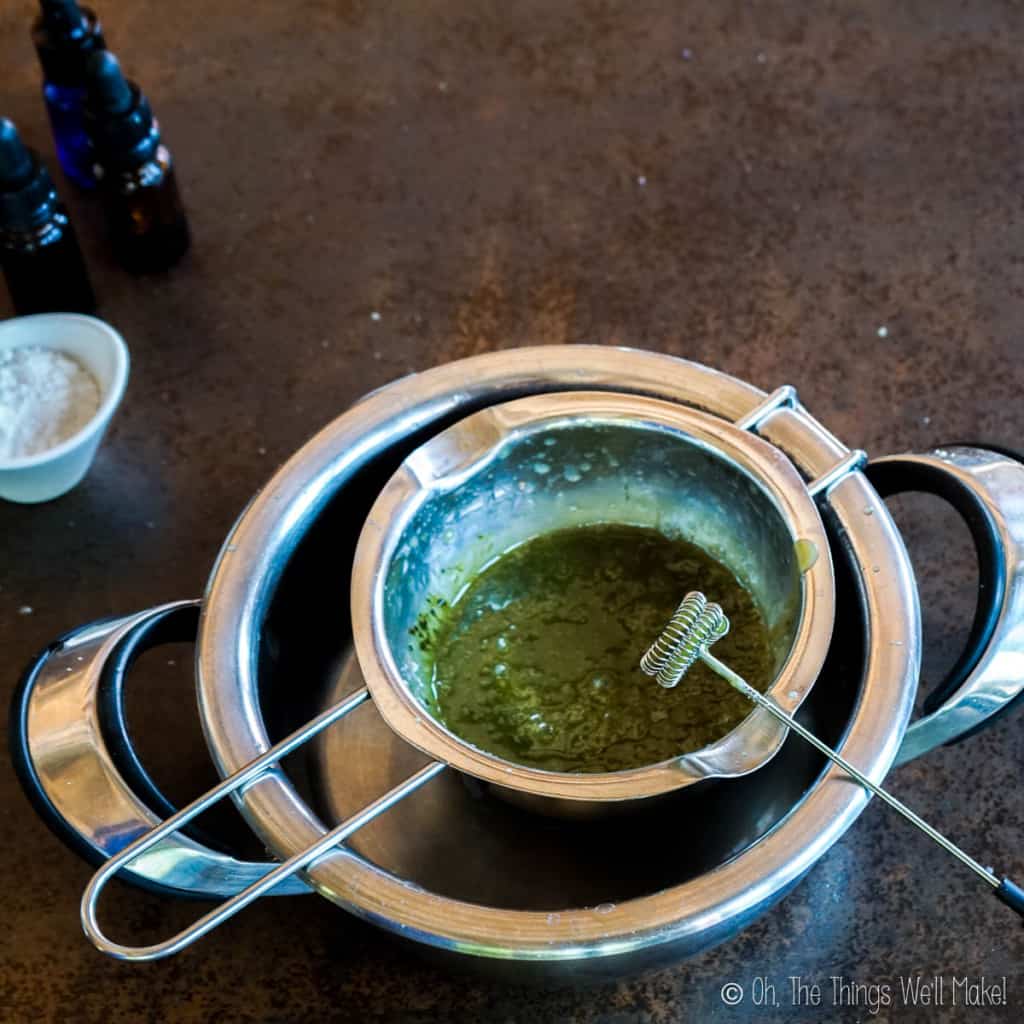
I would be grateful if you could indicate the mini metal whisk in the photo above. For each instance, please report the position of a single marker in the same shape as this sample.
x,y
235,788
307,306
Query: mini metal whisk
x,y
694,627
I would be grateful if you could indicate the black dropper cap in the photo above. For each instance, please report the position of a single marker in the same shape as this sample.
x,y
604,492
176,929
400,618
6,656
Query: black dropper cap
x,y
15,159
27,195
117,116
65,35
109,91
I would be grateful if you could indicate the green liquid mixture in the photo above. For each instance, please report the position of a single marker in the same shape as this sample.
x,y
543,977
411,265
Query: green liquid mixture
x,y
538,661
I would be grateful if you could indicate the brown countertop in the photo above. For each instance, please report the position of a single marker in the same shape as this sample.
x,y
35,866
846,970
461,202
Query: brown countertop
x,y
757,187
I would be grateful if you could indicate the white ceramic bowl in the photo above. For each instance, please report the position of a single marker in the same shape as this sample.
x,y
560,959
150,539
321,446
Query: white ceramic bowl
x,y
102,351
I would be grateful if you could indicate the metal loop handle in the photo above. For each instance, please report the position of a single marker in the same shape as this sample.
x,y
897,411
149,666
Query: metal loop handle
x,y
786,398
302,859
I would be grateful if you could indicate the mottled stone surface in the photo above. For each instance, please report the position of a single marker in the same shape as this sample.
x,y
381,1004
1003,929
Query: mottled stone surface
x,y
758,187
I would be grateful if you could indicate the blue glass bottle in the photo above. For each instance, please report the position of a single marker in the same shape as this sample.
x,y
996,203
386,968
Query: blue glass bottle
x,y
65,36
64,105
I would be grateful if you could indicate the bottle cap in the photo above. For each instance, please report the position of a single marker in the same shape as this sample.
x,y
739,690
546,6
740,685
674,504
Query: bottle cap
x,y
109,91
65,35
27,195
117,116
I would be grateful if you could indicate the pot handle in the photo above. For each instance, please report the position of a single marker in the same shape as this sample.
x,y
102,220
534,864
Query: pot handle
x,y
73,754
282,874
985,486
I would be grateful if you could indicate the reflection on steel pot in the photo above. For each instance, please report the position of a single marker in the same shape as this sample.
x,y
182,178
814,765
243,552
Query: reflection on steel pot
x,y
470,877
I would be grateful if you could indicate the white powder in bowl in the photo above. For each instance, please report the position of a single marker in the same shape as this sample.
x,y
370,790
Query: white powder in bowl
x,y
45,397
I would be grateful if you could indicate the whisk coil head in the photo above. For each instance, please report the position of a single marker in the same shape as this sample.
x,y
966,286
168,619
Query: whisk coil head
x,y
693,628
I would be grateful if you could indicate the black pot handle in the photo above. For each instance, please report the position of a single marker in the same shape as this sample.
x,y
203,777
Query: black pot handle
x,y
169,625
976,481
901,476
98,796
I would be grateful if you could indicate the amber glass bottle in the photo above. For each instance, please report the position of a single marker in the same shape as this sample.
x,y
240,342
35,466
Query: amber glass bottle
x,y
135,171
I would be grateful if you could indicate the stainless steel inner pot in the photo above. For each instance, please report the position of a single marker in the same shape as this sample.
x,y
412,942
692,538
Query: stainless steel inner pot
x,y
520,469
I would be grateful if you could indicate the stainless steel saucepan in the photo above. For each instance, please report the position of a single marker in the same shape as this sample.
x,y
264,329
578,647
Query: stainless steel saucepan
x,y
524,468
764,475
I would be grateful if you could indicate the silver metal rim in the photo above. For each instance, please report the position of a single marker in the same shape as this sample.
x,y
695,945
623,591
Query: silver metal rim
x,y
257,548
745,748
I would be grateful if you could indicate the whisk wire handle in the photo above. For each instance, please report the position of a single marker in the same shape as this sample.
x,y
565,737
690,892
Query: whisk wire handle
x,y
694,627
